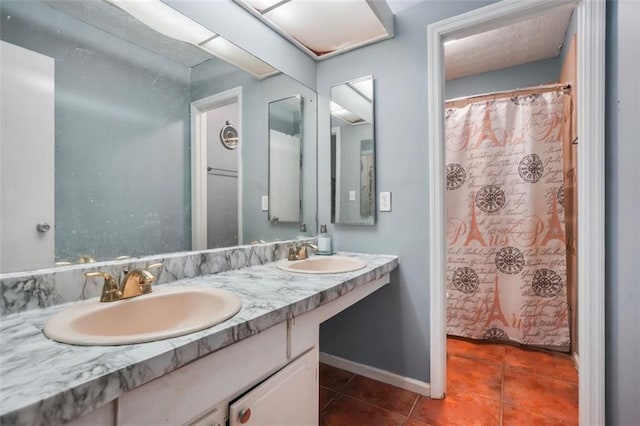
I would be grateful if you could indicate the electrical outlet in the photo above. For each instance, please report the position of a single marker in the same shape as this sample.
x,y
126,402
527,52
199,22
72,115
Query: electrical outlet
x,y
352,195
385,201
265,203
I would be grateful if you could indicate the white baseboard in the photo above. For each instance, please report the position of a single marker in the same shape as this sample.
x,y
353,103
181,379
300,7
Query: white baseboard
x,y
384,376
576,361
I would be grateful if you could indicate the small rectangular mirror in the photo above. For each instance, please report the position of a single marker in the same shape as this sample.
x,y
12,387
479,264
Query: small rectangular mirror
x,y
353,171
285,160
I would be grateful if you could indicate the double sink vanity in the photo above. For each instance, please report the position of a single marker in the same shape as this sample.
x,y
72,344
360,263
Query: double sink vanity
x,y
266,310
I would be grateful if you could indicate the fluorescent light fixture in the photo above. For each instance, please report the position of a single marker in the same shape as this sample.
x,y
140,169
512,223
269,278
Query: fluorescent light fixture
x,y
171,23
165,20
346,115
231,53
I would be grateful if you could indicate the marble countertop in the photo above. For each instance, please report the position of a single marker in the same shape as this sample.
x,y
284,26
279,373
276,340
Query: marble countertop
x,y
45,382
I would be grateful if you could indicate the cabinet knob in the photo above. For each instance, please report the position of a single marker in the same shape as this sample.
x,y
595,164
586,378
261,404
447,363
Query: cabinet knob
x,y
245,415
43,227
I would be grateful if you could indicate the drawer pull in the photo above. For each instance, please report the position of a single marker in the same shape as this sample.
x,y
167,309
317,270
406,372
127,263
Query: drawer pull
x,y
245,415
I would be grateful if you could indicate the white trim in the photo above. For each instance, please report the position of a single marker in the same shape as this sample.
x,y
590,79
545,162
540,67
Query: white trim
x,y
383,376
591,100
336,131
199,109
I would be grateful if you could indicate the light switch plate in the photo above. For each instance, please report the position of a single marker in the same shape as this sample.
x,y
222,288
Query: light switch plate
x,y
385,201
265,203
352,195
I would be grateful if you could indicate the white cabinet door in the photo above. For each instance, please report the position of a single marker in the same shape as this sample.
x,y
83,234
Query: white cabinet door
x,y
26,158
289,397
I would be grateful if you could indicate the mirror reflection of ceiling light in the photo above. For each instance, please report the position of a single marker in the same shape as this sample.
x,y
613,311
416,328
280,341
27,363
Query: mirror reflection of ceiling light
x,y
169,22
165,20
229,52
364,88
346,115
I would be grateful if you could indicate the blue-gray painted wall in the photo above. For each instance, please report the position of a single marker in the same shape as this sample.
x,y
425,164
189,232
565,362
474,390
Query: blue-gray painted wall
x,y
521,76
622,239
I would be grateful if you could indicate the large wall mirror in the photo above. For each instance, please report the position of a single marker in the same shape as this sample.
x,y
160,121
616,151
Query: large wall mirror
x,y
353,183
126,139
285,160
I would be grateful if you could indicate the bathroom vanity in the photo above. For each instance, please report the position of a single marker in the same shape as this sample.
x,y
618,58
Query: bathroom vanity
x,y
262,362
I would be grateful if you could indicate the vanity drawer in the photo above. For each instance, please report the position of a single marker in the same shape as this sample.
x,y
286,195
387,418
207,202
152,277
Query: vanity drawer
x,y
192,391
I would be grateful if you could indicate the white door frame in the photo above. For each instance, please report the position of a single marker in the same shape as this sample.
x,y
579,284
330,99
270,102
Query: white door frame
x,y
591,101
199,111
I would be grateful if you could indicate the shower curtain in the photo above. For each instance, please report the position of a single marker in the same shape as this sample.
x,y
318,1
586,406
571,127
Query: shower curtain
x,y
506,253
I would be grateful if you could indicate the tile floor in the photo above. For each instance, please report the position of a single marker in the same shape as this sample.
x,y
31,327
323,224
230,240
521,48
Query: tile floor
x,y
487,384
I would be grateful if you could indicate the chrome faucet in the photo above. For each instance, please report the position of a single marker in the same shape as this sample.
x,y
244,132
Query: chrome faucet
x,y
300,253
134,283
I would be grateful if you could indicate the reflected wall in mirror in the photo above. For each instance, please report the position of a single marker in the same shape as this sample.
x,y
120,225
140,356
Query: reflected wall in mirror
x,y
285,160
353,168
97,133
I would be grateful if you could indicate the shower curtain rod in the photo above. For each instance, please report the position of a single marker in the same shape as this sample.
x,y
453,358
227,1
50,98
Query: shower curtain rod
x,y
545,87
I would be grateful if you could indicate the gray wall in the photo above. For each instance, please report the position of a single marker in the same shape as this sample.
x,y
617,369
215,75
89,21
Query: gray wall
x,y
622,243
520,76
256,96
390,328
122,131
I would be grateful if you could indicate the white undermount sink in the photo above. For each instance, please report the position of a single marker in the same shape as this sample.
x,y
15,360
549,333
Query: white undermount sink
x,y
322,265
167,312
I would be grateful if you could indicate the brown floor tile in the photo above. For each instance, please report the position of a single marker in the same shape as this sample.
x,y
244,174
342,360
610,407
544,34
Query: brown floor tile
x,y
558,366
490,352
334,378
325,397
514,416
543,395
346,411
460,410
469,376
381,394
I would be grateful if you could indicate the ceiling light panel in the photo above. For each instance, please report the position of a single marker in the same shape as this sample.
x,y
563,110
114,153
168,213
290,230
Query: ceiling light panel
x,y
327,26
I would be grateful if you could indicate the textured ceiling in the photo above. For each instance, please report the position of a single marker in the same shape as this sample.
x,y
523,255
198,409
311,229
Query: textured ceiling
x,y
521,43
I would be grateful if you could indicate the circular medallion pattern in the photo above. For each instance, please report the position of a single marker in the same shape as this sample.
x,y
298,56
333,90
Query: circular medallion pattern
x,y
466,280
546,283
560,196
455,176
509,260
495,333
490,198
531,168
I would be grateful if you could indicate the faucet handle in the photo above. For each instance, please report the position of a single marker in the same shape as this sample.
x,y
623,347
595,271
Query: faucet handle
x,y
110,289
155,266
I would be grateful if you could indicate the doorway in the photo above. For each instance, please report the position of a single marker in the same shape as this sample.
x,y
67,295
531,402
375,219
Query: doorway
x,y
216,159
590,119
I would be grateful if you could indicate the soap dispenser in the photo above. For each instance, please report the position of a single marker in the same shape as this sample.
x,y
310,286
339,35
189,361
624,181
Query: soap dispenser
x,y
324,241
303,232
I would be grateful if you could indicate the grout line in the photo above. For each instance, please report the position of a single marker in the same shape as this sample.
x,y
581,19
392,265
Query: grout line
x,y
524,370
413,406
